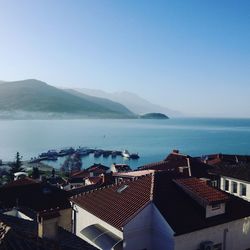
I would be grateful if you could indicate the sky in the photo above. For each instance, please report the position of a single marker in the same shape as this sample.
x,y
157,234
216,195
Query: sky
x,y
192,56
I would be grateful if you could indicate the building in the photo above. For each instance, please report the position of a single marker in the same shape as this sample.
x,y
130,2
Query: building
x,y
164,210
234,179
180,163
114,168
34,197
43,234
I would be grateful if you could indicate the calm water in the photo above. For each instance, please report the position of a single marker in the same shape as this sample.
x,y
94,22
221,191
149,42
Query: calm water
x,y
152,139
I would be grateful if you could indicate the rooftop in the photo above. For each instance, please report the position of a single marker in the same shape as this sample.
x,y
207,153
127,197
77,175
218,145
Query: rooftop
x,y
34,195
201,190
114,205
174,161
118,204
240,172
20,234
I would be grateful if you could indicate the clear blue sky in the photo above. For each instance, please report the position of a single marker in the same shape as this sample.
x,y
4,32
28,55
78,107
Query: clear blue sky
x,y
192,56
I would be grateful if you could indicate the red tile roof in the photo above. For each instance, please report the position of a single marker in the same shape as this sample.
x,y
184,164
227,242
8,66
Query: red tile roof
x,y
119,203
21,182
80,174
201,190
175,160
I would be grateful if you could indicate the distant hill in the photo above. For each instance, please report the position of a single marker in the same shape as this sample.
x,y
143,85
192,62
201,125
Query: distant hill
x,y
132,101
37,97
154,116
106,103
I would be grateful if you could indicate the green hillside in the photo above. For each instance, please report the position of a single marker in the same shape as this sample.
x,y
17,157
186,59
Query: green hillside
x,y
36,96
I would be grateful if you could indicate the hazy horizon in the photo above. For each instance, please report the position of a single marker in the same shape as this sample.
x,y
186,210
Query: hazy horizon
x,y
192,56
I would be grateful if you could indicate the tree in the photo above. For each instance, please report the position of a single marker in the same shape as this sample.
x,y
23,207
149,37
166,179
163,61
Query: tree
x,y
35,173
16,166
53,173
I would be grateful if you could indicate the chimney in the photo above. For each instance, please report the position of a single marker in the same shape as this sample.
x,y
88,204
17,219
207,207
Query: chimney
x,y
48,224
107,178
175,151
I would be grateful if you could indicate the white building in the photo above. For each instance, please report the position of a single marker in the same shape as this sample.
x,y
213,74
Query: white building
x,y
162,211
234,180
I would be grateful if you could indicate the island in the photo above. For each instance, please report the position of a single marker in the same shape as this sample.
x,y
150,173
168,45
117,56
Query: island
x,y
153,116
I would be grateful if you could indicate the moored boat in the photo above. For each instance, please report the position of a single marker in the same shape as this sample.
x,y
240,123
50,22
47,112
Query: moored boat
x,y
125,153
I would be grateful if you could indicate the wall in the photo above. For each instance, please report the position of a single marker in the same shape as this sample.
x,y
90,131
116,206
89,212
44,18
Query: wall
x,y
148,230
237,237
162,232
222,187
48,228
64,220
137,233
84,219
210,211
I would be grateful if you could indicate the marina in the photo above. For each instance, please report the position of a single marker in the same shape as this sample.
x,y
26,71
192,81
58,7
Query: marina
x,y
82,152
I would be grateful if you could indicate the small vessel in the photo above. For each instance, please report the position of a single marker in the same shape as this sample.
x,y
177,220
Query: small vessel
x,y
125,153
106,153
82,151
52,158
113,154
134,156
66,151
98,153
49,153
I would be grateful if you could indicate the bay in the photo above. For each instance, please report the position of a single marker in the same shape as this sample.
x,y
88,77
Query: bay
x,y
152,139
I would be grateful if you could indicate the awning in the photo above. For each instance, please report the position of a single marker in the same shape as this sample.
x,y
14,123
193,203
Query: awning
x,y
102,237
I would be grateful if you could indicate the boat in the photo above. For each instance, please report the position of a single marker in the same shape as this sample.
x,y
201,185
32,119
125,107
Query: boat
x,y
82,151
113,154
66,151
97,153
49,153
106,153
134,156
52,158
125,153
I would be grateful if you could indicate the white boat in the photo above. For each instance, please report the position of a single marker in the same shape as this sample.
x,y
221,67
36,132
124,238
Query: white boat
x,y
125,153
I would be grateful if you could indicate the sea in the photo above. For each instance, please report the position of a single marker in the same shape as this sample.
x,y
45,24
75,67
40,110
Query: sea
x,y
153,140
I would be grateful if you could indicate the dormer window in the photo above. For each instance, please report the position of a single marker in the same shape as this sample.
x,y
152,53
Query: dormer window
x,y
243,189
211,199
121,189
226,185
234,187
216,206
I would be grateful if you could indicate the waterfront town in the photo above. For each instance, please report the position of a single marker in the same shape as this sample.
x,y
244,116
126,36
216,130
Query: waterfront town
x,y
178,203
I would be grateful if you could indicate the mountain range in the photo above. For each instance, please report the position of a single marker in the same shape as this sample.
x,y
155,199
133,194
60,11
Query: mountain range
x,y
132,101
32,98
38,98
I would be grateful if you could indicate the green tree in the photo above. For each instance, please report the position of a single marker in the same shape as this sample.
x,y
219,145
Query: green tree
x,y
16,166
35,173
53,173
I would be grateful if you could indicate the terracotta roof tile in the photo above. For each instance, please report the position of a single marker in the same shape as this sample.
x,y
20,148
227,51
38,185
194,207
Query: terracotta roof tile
x,y
200,189
182,213
117,203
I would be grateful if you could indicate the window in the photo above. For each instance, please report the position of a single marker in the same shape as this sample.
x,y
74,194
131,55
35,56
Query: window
x,y
226,185
121,189
214,183
243,189
215,206
234,187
